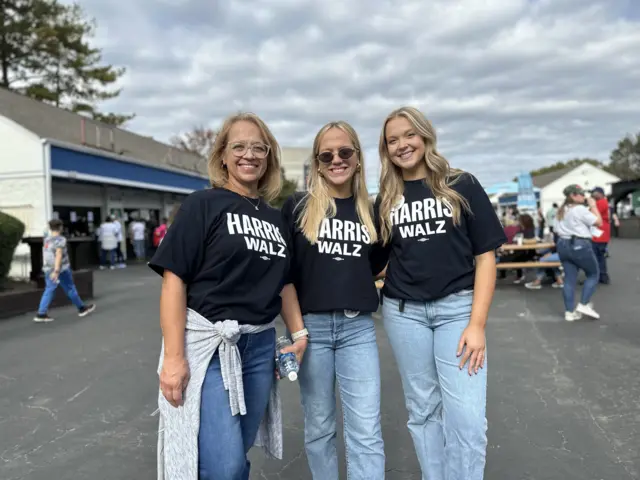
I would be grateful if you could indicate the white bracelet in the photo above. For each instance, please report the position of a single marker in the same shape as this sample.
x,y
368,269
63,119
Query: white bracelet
x,y
298,335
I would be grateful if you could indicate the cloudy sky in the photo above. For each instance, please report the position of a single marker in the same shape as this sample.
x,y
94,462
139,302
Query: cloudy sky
x,y
510,85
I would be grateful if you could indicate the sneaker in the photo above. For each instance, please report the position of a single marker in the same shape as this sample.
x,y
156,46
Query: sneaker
x,y
86,310
42,318
587,310
533,286
572,316
518,281
557,285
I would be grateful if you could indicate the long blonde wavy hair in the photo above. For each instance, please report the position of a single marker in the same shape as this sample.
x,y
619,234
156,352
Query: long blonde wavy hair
x,y
320,204
440,176
270,184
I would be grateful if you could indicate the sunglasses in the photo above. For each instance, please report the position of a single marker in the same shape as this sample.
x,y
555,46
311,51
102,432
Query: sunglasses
x,y
345,153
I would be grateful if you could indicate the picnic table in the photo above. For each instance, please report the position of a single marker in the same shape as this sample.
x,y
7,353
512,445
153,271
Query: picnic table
x,y
512,247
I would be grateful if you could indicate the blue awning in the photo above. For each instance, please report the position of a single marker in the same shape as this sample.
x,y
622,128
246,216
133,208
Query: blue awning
x,y
69,163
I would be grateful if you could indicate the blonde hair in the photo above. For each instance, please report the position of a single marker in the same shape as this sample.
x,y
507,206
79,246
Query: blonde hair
x,y
320,204
440,175
270,184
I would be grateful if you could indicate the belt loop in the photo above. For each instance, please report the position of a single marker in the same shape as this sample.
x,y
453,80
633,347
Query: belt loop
x,y
401,306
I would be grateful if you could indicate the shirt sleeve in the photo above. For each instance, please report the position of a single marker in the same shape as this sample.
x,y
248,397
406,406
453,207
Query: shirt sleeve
x,y
585,215
60,242
379,253
289,219
484,227
182,249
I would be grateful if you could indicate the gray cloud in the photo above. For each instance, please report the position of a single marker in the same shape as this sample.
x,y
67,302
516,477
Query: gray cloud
x,y
509,84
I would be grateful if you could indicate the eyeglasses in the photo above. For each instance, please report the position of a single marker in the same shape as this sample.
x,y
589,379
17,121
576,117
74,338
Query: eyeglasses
x,y
259,150
345,153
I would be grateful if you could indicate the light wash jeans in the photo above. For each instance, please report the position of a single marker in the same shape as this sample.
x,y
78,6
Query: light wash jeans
x,y
225,439
446,405
343,349
578,255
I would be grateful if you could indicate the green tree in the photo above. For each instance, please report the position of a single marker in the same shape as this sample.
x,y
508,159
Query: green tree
x,y
625,159
45,53
288,188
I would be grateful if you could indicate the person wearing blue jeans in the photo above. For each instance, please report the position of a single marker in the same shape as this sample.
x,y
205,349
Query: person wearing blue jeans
x,y
573,225
225,263
547,257
440,233
57,272
333,231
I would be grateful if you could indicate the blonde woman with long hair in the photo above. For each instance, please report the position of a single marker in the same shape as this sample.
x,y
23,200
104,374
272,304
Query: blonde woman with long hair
x,y
224,262
441,233
333,230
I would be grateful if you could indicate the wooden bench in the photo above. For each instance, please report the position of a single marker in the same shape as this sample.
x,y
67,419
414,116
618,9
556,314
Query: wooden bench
x,y
517,265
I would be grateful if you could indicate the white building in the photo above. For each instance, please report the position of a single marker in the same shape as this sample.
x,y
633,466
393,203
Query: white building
x,y
586,175
57,164
293,162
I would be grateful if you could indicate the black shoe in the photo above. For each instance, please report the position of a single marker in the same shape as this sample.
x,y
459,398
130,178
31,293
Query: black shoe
x,y
86,310
42,318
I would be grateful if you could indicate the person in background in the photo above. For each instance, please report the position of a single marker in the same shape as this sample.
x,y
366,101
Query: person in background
x,y
137,233
550,255
573,226
57,271
159,232
108,238
120,261
551,216
602,235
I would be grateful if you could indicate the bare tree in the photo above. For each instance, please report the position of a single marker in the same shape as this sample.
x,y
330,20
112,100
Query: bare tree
x,y
199,141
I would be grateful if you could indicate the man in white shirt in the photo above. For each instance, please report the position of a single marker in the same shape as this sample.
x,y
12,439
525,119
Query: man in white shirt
x,y
107,234
137,233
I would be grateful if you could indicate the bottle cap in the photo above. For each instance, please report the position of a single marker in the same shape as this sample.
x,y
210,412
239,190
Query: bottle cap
x,y
293,376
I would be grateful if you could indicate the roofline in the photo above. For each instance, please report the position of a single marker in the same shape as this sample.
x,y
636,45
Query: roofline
x,y
103,153
574,169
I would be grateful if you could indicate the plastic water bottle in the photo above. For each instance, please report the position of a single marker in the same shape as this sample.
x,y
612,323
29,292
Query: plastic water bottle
x,y
286,362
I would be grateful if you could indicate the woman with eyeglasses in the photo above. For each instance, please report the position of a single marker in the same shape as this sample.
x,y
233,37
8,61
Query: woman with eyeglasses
x,y
332,231
224,262
441,233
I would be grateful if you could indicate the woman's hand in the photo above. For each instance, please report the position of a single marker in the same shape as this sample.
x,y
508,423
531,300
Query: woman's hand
x,y
174,378
297,348
473,342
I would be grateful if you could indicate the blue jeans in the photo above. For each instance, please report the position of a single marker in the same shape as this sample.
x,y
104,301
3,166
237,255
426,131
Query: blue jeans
x,y
139,248
110,254
541,272
65,280
577,255
446,405
343,349
600,251
224,440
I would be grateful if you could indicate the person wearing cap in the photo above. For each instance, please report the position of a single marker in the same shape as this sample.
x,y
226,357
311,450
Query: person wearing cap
x,y
573,225
602,235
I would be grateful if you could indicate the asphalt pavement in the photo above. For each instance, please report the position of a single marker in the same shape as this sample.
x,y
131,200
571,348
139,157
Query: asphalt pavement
x,y
76,395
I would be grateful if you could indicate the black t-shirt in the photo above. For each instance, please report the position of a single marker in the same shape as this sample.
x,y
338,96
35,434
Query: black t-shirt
x,y
335,273
429,256
233,258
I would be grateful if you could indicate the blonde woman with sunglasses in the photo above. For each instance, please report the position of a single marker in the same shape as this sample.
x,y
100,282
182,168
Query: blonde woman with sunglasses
x,y
332,231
